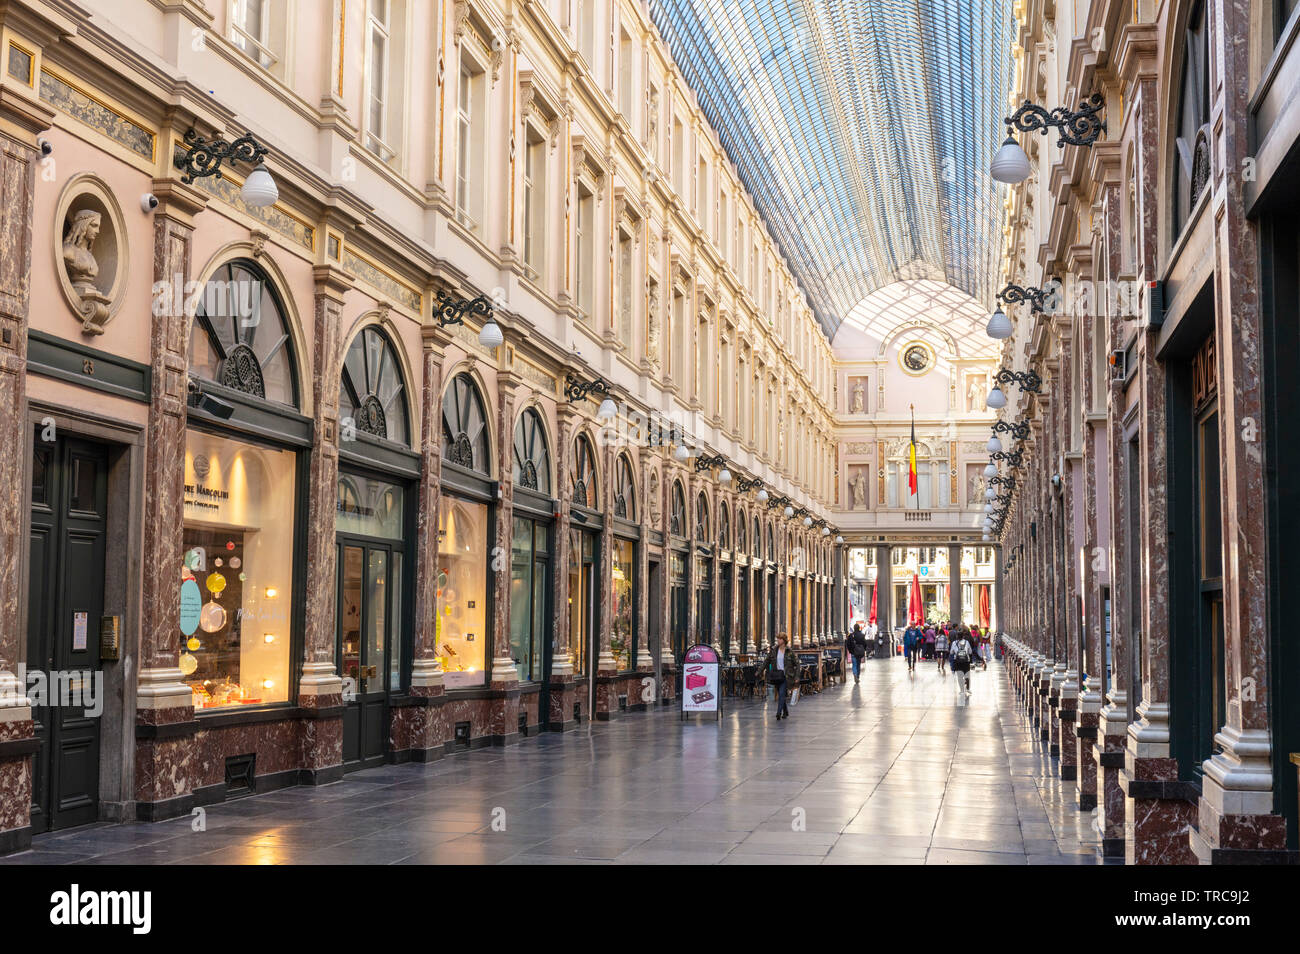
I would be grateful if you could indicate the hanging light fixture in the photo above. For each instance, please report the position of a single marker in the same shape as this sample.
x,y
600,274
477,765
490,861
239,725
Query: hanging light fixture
x,y
762,496
990,493
607,411
996,399
826,531
991,470
259,188
490,335
789,510
987,538
724,476
839,539
682,452
807,521
999,326
988,508
1010,164
994,446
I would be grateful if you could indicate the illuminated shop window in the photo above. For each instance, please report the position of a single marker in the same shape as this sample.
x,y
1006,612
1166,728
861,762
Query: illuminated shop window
x,y
237,574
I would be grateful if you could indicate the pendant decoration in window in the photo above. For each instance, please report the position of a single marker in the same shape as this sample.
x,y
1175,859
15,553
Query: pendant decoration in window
x,y
582,475
371,418
241,372
462,451
916,358
624,491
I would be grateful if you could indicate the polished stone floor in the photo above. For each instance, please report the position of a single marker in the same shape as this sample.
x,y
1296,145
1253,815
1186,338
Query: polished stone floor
x,y
897,770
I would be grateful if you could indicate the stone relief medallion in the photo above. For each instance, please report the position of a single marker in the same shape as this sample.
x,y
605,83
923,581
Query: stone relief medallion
x,y
90,251
916,358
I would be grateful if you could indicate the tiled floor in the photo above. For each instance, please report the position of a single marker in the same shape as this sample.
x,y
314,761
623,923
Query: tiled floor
x,y
898,770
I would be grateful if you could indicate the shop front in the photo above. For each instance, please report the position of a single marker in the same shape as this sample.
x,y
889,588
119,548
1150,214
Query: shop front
x,y
373,522
679,564
466,516
624,586
585,579
531,553
702,564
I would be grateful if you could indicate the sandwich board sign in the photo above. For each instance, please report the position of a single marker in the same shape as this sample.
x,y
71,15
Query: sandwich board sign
x,y
701,681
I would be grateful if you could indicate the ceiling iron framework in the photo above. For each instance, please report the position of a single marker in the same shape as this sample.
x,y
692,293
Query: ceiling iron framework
x,y
862,129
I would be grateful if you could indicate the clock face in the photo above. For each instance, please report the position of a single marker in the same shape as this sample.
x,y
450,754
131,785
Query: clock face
x,y
916,358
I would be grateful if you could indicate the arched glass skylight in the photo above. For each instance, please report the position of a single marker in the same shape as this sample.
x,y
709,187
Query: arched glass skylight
x,y
863,130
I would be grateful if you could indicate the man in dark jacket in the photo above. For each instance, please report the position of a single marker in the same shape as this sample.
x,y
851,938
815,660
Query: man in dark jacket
x,y
912,638
856,644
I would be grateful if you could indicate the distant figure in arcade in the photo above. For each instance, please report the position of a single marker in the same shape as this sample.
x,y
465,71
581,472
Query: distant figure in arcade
x,y
856,644
941,648
782,669
963,653
980,642
912,638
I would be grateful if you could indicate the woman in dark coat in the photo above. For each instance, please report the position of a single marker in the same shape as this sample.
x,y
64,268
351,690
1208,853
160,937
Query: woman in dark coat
x,y
782,670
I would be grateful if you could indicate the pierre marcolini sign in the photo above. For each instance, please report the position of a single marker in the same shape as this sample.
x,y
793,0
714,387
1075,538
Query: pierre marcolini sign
x,y
86,908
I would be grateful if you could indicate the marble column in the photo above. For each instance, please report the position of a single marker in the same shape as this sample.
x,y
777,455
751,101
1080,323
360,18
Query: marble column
x,y
644,661
605,669
954,585
667,664
884,591
422,728
1067,617
320,689
165,762
1235,820
504,686
21,121
562,684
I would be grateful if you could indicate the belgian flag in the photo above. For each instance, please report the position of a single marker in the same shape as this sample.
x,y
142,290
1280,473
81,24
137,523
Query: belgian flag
x,y
911,458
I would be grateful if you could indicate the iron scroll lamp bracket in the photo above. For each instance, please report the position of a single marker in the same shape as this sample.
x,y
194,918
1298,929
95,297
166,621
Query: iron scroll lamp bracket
x,y
452,311
1080,127
204,157
576,390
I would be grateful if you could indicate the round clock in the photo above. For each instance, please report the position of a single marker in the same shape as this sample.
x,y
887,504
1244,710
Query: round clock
x,y
916,358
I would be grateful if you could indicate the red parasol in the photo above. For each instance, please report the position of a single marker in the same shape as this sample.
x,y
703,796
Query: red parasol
x,y
914,612
873,604
984,607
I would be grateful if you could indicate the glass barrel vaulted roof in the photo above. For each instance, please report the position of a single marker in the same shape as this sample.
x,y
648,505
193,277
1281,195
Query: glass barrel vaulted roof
x,y
862,129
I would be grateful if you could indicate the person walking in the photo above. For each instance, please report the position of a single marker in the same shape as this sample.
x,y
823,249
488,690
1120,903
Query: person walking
x,y
782,670
941,648
857,647
962,654
912,645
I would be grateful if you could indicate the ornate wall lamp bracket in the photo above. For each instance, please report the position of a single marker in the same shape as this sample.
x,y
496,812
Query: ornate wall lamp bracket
x,y
1080,127
576,389
204,157
452,311
1029,381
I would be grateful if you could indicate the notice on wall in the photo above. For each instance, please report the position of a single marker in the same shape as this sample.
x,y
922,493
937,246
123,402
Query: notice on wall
x,y
701,685
79,620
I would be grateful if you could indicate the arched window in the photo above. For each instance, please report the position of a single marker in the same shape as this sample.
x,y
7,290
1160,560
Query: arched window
x,y
464,426
677,512
582,475
1192,144
771,544
240,338
624,490
532,468
758,538
741,541
702,518
373,393
724,527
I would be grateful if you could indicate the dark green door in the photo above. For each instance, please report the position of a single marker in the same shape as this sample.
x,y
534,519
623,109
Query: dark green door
x,y
369,577
69,504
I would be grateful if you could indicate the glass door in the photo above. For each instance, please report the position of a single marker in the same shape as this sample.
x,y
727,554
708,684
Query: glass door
x,y
367,583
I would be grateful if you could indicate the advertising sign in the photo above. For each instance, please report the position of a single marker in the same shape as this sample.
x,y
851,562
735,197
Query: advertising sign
x,y
701,680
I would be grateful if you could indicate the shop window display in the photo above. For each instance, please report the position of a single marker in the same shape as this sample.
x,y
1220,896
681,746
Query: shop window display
x,y
621,639
236,577
462,592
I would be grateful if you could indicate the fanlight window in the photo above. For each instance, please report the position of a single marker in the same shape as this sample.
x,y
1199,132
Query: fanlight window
x,y
373,392
677,514
582,475
771,544
702,518
741,542
240,337
758,538
1192,144
625,491
724,527
464,426
532,456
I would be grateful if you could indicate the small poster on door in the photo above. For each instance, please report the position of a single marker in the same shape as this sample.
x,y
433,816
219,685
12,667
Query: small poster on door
x,y
79,623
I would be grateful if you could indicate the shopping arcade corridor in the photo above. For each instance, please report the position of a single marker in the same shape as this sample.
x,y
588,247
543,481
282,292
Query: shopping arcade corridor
x,y
897,770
